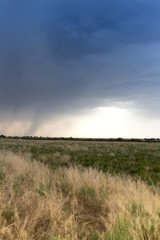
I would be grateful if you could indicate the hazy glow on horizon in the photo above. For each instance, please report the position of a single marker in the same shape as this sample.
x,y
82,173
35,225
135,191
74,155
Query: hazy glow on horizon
x,y
102,122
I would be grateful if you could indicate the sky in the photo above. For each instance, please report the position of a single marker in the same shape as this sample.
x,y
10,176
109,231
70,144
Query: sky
x,y
84,68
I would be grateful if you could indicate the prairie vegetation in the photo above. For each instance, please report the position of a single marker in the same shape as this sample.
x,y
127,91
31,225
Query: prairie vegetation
x,y
49,191
136,159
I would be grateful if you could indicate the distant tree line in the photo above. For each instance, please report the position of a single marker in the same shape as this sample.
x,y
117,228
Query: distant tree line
x,y
84,139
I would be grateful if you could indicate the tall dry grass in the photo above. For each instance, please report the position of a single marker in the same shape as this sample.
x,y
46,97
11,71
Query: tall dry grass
x,y
73,203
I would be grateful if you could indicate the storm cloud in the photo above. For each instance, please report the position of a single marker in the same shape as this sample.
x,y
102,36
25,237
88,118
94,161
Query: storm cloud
x,y
61,57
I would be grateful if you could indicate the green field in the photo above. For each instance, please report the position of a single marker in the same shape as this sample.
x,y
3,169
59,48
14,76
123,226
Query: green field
x,y
136,159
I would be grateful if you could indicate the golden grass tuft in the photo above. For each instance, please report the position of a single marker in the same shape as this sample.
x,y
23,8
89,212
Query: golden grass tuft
x,y
73,203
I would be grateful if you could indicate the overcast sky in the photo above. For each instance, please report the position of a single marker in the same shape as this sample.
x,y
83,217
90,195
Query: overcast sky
x,y
85,68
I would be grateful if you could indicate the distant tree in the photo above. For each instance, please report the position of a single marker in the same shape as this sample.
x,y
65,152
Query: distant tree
x,y
2,136
120,139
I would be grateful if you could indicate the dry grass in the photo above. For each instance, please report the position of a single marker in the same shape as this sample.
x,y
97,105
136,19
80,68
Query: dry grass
x,y
73,203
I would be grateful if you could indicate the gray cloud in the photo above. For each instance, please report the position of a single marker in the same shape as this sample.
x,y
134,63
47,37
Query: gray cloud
x,y
64,56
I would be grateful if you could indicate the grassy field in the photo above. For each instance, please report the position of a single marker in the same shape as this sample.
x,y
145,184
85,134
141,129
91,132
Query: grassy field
x,y
136,159
55,190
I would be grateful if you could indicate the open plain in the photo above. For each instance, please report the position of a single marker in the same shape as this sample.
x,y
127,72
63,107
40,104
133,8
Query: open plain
x,y
79,190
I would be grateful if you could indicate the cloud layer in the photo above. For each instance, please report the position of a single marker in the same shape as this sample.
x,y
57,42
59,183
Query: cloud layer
x,y
59,57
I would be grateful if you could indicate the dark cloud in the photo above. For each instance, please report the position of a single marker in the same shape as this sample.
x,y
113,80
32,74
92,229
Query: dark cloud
x,y
92,27
59,55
